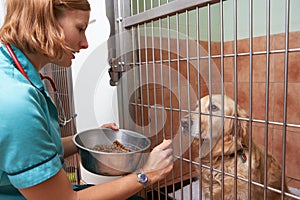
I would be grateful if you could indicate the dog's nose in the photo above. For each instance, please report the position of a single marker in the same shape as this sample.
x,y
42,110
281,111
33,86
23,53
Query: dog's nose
x,y
185,121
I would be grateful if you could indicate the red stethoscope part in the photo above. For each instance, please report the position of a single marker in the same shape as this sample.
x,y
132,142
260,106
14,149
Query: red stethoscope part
x,y
50,80
16,61
62,121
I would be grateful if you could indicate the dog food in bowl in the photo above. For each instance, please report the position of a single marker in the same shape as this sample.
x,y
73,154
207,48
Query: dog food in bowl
x,y
116,147
111,164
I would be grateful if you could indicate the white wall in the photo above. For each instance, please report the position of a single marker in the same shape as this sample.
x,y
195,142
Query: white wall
x,y
2,11
95,100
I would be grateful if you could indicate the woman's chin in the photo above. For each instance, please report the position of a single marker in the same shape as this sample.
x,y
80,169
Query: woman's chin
x,y
64,63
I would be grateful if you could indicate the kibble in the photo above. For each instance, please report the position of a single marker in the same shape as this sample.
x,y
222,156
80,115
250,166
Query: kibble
x,y
116,147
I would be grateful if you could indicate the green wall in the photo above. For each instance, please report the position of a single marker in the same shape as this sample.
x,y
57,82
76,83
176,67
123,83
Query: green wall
x,y
277,19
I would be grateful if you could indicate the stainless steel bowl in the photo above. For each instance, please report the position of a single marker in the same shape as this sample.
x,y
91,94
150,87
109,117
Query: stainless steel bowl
x,y
111,164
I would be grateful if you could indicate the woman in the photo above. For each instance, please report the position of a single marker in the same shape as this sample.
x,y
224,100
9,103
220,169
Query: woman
x,y
38,32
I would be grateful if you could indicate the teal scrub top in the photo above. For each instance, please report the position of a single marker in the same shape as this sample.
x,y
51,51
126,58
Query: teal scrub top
x,y
30,140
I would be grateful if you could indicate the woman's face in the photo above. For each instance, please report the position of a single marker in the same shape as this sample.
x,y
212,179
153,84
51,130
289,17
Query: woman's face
x,y
74,24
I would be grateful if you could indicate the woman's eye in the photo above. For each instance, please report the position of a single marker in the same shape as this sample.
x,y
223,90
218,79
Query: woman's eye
x,y
214,108
81,29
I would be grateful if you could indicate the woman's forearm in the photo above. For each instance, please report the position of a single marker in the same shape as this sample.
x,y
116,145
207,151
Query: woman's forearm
x,y
121,188
69,147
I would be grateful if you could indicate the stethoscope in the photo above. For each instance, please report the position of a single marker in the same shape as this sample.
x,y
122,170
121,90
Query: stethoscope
x,y
62,120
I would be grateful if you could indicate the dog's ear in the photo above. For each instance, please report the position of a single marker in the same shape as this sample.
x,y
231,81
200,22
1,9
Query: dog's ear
x,y
243,127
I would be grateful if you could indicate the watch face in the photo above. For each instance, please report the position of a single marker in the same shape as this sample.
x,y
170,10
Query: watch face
x,y
143,178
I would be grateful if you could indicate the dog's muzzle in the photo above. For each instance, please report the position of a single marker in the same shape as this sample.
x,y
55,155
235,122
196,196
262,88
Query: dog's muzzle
x,y
186,123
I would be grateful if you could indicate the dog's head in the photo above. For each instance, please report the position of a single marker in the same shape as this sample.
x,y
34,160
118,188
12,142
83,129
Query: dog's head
x,y
217,119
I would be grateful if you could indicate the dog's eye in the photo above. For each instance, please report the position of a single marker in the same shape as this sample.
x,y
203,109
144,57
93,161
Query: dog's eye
x,y
214,108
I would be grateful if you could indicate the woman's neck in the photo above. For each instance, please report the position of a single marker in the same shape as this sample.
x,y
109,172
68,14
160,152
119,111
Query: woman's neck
x,y
37,60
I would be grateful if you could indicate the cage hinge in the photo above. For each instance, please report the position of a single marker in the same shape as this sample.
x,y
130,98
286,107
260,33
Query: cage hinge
x,y
115,72
119,19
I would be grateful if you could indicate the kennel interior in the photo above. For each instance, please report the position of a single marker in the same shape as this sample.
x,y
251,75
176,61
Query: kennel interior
x,y
165,55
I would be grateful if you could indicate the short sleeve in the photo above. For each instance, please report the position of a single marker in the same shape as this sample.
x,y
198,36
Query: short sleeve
x,y
29,154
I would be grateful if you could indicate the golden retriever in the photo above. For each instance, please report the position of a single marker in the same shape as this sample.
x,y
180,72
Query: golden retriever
x,y
210,128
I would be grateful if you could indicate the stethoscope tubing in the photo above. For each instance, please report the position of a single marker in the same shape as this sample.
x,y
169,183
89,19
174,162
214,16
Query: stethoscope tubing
x,y
16,61
18,65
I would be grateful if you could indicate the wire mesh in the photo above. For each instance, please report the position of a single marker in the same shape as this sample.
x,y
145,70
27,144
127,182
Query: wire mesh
x,y
184,50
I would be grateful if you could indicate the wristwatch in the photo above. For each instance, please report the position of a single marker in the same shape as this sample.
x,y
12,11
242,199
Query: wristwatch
x,y
142,177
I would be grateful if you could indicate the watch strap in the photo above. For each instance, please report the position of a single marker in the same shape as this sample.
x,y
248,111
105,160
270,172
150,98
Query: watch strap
x,y
142,178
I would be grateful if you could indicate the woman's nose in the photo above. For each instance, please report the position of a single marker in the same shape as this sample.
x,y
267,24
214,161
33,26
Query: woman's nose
x,y
84,43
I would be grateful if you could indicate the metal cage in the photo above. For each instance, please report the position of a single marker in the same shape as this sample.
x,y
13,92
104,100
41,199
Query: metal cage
x,y
166,55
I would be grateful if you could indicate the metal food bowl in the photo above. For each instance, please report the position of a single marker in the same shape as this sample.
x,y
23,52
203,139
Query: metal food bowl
x,y
111,164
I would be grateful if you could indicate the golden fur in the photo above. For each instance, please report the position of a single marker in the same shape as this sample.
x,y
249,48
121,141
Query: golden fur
x,y
191,125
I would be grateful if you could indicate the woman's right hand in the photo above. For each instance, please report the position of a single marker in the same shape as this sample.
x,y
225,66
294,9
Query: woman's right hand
x,y
160,162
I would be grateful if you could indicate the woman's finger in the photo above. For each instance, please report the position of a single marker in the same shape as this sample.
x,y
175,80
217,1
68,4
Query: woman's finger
x,y
163,146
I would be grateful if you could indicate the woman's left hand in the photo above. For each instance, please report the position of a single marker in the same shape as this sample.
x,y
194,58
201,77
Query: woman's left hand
x,y
112,125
